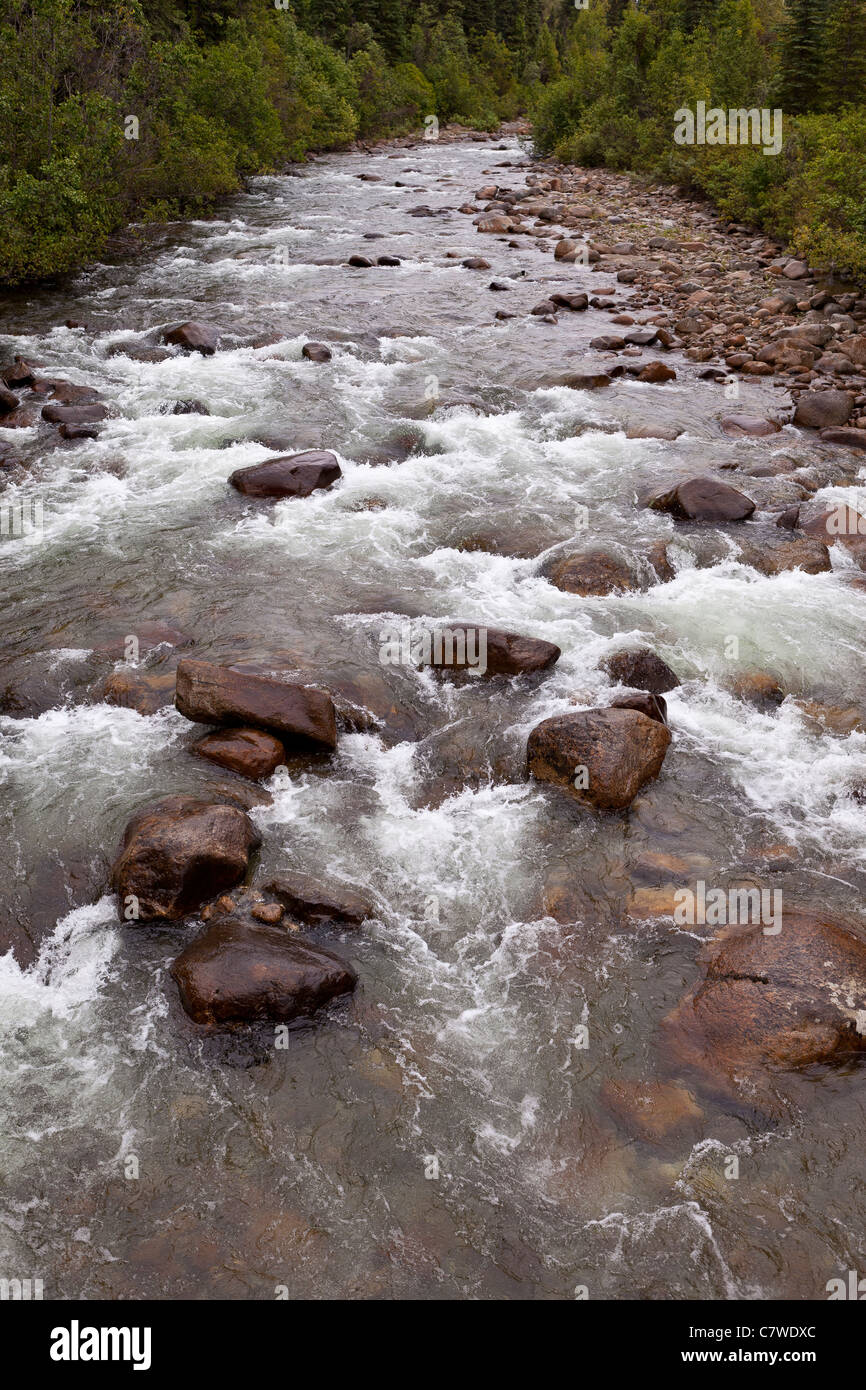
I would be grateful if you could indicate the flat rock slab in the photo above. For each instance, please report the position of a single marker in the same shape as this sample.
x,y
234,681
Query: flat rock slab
x,y
592,574
239,973
179,853
293,475
211,694
307,899
601,757
248,752
703,499
785,1000
73,414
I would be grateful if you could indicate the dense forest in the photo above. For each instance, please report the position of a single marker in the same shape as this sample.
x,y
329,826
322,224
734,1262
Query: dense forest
x,y
119,110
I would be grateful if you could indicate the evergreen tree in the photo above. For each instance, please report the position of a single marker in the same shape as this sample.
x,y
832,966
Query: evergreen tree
x,y
843,67
801,55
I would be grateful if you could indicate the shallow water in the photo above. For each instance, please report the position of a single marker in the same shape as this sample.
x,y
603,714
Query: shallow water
x,y
307,1168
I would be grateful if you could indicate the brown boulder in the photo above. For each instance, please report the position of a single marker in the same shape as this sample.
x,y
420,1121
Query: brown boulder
x,y
178,853
495,652
703,499
846,438
656,373
195,337
73,414
316,352
240,973
249,752
308,900
773,556
819,409
293,475
213,694
601,757
8,401
641,669
592,574
752,426
787,999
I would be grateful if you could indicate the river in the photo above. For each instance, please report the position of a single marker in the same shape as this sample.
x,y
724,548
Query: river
x,y
442,1135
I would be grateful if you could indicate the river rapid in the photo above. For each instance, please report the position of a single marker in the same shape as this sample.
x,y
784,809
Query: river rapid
x,y
443,1134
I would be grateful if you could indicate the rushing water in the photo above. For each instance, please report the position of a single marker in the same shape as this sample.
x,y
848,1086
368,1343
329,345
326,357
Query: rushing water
x,y
309,1168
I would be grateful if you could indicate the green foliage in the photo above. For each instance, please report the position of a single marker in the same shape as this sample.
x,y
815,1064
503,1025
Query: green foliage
x,y
221,90
628,71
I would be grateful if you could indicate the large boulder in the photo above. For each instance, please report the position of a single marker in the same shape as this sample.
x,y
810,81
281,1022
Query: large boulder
x,y
237,972
293,475
640,668
843,524
211,694
703,499
601,756
195,337
249,752
307,899
784,998
489,650
818,410
179,853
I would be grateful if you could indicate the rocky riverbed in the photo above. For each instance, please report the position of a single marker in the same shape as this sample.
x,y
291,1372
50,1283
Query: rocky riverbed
x,y
423,579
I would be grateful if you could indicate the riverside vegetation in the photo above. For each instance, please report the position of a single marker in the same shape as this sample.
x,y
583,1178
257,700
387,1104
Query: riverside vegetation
x,y
117,111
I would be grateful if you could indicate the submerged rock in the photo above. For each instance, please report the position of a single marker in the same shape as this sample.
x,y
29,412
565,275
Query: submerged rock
x,y
293,475
249,752
213,694
237,972
601,757
144,691
177,854
779,999
307,899
593,574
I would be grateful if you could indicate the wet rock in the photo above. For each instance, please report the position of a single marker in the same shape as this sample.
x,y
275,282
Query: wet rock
x,y
653,706
656,373
842,524
845,438
575,302
601,757
776,555
641,669
20,375
144,691
565,250
753,426
785,1000
703,499
179,853
493,222
758,688
307,899
8,401
821,409
73,414
388,260
249,752
316,352
586,381
607,342
464,646
195,337
475,263
653,1111
272,913
187,408
592,574
211,694
75,432
237,972
293,475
